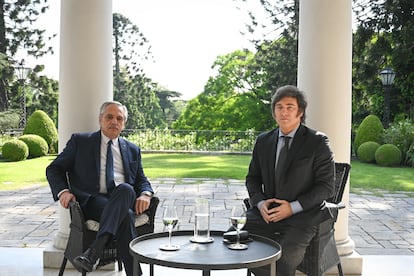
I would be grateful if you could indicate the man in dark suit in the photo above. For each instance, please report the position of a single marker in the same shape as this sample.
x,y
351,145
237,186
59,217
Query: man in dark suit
x,y
104,173
286,194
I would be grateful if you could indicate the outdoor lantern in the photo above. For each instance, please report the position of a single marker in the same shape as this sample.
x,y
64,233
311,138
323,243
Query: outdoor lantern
x,y
22,73
387,76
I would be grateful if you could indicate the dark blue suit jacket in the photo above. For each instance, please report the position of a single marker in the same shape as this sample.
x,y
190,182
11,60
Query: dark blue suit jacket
x,y
78,166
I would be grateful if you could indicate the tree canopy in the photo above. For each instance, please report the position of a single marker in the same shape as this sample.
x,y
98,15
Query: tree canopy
x,y
18,34
384,37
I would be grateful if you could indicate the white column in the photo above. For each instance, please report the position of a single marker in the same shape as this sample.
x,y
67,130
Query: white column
x,y
85,77
325,74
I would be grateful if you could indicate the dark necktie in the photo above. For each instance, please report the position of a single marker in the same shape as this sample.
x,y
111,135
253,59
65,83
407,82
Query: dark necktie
x,y
109,169
281,162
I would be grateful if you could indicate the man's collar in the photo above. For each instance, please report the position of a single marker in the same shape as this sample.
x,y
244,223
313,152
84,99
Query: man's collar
x,y
106,139
290,134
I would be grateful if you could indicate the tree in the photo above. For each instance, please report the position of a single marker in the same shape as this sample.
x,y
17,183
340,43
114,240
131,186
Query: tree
x,y
129,48
385,37
168,106
227,102
143,105
44,95
18,34
131,86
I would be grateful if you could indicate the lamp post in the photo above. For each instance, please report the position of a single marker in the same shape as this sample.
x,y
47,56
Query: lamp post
x,y
387,78
22,73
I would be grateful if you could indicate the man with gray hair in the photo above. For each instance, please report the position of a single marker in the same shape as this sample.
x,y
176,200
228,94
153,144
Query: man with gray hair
x,y
104,173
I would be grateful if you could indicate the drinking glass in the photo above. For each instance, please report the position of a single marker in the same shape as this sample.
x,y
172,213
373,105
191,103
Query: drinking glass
x,y
238,220
202,221
170,220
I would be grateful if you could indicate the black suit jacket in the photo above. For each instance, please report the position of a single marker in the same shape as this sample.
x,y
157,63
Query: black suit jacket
x,y
78,166
309,175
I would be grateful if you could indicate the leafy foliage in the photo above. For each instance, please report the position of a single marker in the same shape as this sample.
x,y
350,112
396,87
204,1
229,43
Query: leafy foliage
x,y
401,134
39,123
9,120
15,150
384,37
191,140
388,155
366,151
131,86
17,33
370,129
129,47
410,155
142,102
170,105
229,101
37,145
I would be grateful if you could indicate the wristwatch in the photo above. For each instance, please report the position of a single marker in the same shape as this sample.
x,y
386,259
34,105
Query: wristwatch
x,y
147,193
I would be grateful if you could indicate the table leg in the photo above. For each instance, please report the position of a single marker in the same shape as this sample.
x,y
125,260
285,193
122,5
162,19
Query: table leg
x,y
206,272
135,268
272,269
151,270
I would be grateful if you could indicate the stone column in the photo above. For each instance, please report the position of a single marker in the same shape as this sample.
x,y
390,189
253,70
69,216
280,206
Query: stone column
x,y
85,79
325,74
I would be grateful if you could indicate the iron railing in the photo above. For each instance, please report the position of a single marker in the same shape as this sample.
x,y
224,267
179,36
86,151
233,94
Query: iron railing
x,y
192,140
207,141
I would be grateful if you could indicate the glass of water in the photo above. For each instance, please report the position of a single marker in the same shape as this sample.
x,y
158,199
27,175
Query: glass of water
x,y
202,221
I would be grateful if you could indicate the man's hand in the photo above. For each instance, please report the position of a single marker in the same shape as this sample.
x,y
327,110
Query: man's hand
x,y
274,210
65,198
142,203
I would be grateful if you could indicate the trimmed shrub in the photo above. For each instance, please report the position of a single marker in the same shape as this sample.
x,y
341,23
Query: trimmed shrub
x,y
39,123
370,129
388,155
410,156
15,150
37,145
401,134
366,152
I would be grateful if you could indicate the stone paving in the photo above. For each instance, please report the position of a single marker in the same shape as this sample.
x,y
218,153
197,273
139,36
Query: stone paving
x,y
380,223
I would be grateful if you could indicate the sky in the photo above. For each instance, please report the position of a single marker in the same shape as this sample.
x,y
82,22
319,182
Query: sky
x,y
186,37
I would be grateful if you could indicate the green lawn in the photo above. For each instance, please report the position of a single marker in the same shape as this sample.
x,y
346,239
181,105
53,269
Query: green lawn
x,y
371,176
195,165
14,175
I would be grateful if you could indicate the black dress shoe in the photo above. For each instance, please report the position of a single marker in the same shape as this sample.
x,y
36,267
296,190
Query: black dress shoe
x,y
87,261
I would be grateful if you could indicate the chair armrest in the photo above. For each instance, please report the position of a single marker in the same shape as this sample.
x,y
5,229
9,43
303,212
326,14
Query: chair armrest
x,y
332,206
152,210
246,202
76,215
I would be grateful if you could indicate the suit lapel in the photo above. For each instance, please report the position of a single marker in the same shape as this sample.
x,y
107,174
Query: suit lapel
x,y
97,151
296,145
271,147
125,157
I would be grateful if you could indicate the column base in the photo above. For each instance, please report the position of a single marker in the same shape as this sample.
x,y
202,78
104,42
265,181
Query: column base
x,y
53,257
60,241
351,265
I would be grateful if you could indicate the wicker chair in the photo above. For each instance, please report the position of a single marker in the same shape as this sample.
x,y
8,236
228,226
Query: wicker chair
x,y
82,233
322,253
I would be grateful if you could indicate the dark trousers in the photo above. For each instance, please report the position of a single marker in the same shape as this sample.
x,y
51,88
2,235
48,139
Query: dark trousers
x,y
293,240
116,217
